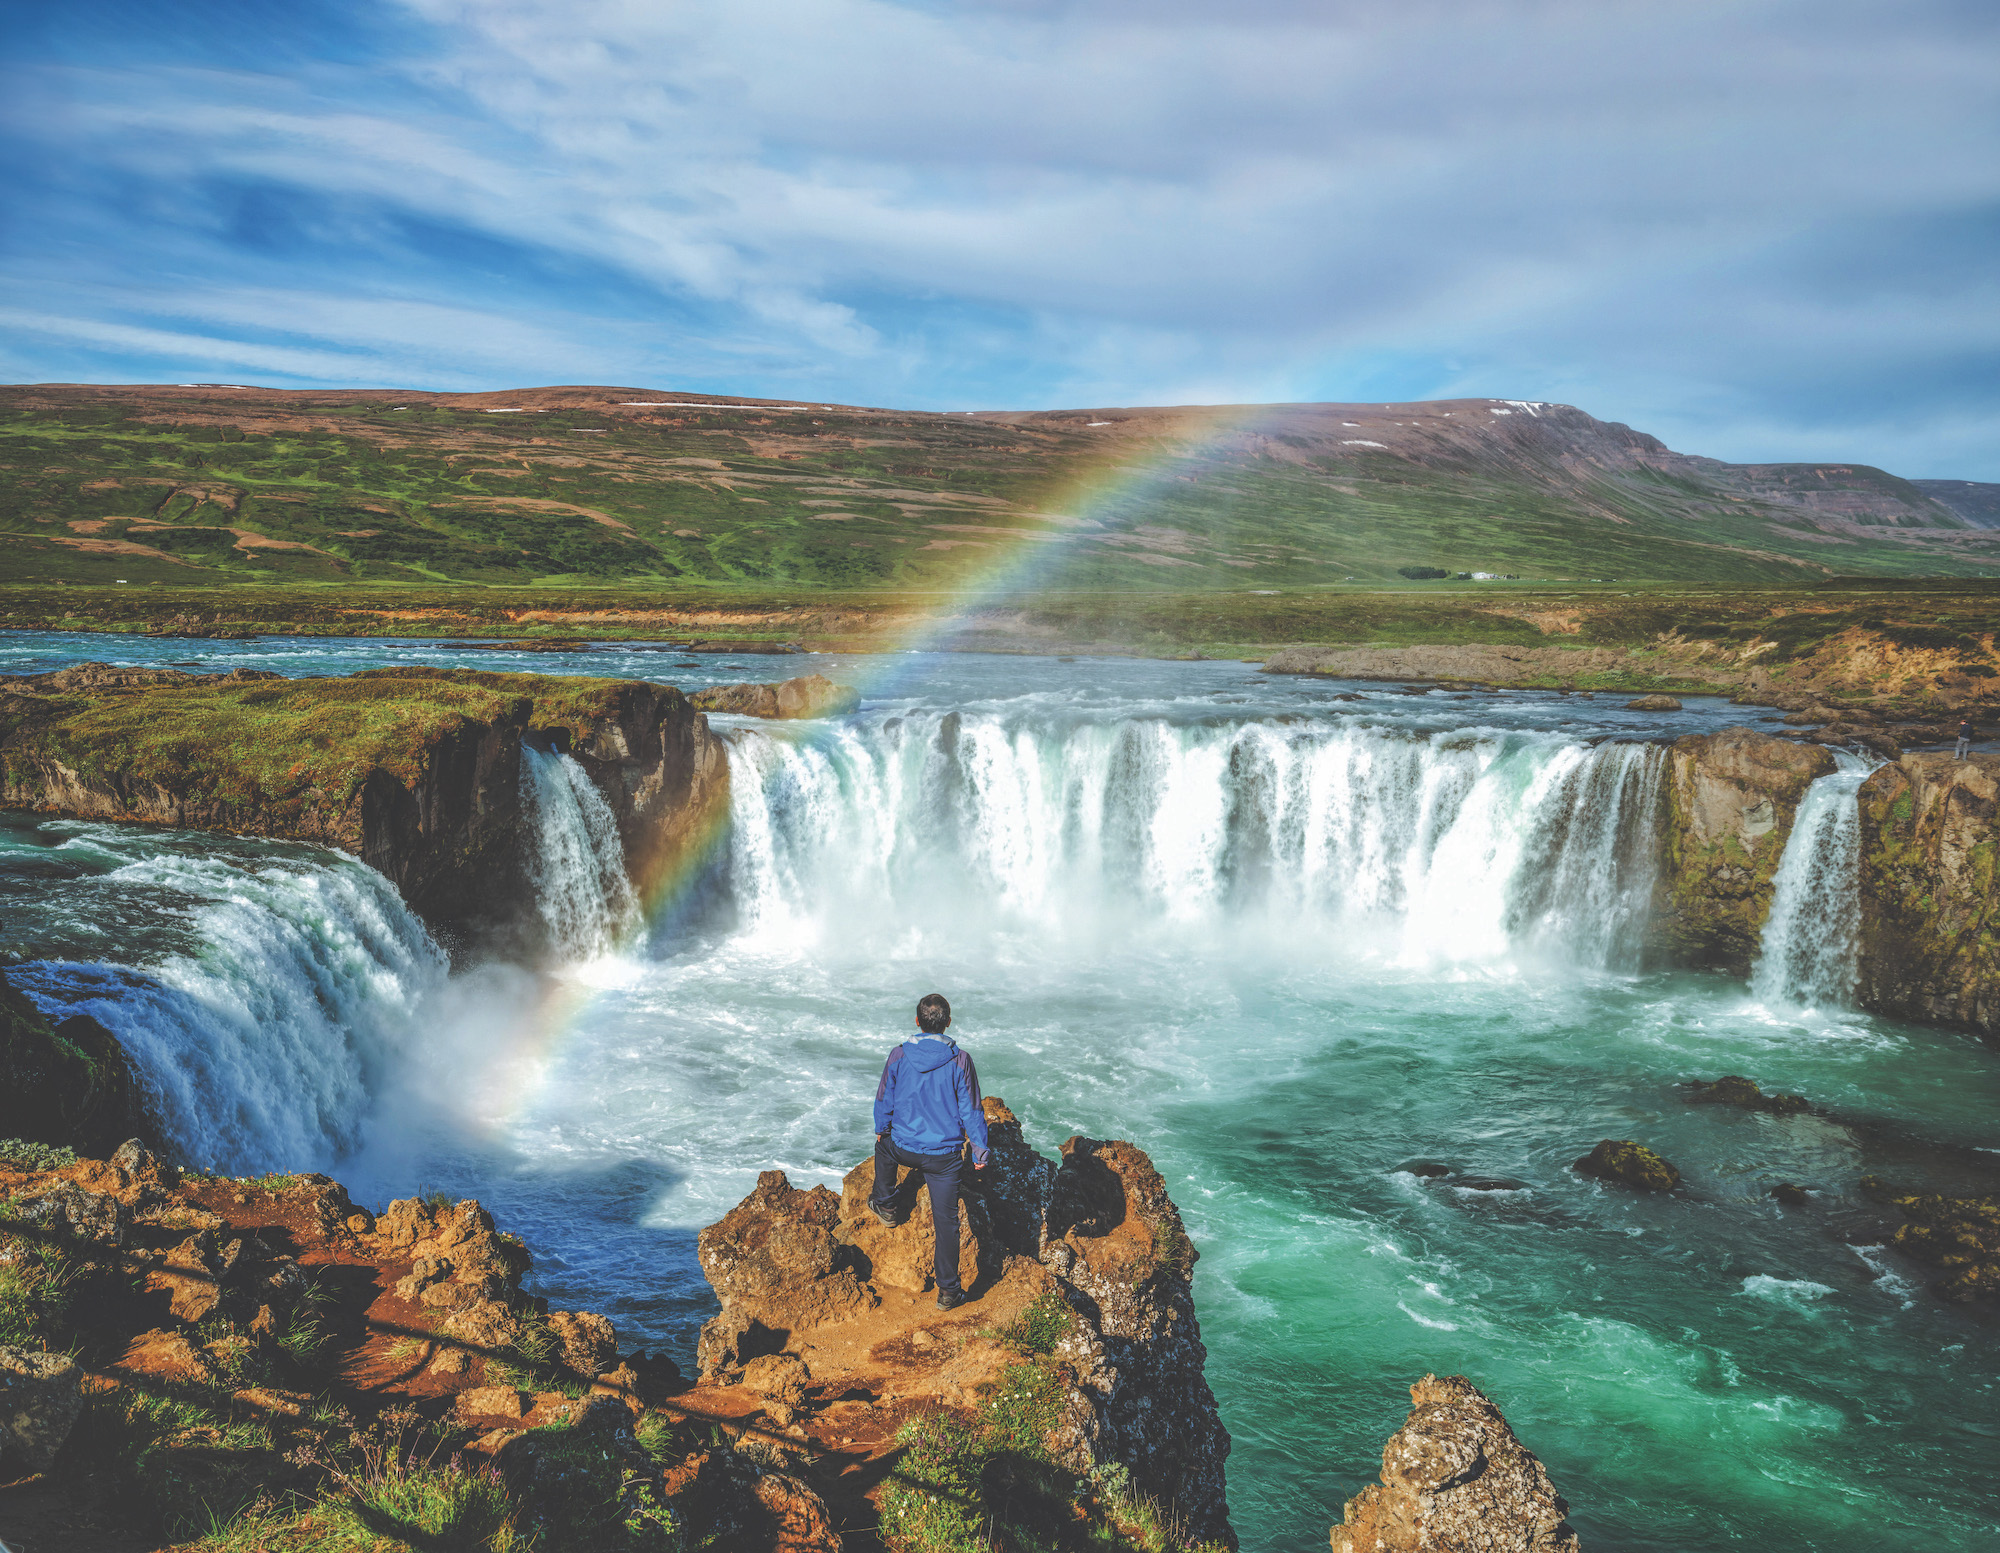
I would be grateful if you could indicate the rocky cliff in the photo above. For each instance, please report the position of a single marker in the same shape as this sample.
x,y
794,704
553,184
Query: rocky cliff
x,y
1731,798
66,1084
1072,1384
1455,1477
318,1361
1930,925
416,771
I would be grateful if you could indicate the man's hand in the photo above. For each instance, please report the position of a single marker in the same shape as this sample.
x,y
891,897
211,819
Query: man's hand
x,y
979,1164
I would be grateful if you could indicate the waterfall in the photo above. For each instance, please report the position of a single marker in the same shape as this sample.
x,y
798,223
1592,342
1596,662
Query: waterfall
x,y
262,1042
1439,848
1810,939
576,861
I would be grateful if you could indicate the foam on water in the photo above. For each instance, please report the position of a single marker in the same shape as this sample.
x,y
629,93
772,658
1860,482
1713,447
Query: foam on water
x,y
1287,944
1807,958
576,862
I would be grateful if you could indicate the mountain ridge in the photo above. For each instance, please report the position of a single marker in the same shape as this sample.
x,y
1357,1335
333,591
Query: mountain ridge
x,y
586,484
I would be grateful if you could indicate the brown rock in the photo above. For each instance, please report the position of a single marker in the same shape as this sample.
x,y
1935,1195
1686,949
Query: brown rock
x,y
1455,1477
167,1356
904,1257
811,695
589,1343
450,1361
489,1402
777,1268
191,1274
1653,704
1734,1089
485,1326
1731,799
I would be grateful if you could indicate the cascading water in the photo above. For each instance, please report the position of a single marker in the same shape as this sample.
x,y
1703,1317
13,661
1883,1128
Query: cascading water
x,y
1438,848
1807,956
576,862
261,1037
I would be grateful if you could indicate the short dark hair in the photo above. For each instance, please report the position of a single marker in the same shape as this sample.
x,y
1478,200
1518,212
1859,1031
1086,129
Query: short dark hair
x,y
933,1013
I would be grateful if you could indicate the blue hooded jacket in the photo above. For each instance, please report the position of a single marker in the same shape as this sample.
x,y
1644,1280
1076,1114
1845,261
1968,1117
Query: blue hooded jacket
x,y
929,1098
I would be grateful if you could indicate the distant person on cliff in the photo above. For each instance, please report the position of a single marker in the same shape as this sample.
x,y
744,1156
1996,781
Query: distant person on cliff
x,y
1966,734
926,1110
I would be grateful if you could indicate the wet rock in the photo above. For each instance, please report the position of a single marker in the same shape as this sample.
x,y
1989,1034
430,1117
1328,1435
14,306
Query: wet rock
x,y
62,1082
1734,1089
1426,1169
1455,1477
1489,1184
1653,704
1958,1236
810,695
1791,1196
589,1342
1630,1164
41,1395
1930,836
1731,799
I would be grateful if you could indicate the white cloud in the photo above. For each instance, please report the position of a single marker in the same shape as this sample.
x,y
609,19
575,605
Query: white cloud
x,y
1661,204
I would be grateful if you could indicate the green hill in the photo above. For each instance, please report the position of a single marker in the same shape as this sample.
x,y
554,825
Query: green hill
x,y
203,485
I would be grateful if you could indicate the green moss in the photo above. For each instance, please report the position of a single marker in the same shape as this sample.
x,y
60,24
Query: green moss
x,y
1041,1326
285,747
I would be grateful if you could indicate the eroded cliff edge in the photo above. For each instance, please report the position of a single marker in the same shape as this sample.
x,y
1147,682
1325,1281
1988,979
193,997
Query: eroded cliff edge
x,y
1731,798
265,1353
416,771
1930,938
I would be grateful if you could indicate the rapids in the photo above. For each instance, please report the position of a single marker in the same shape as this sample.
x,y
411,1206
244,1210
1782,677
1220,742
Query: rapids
x,y
1302,942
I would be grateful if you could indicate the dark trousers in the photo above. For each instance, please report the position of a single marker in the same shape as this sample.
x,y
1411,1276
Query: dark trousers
x,y
941,1176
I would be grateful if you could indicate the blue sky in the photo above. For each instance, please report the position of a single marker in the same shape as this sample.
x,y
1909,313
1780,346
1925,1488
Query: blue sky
x,y
1759,230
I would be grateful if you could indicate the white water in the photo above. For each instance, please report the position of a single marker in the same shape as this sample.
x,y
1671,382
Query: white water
x,y
264,1042
1807,958
577,862
1430,850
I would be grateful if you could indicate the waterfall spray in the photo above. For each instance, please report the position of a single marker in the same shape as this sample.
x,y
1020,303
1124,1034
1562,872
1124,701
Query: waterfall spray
x,y
1807,957
1447,847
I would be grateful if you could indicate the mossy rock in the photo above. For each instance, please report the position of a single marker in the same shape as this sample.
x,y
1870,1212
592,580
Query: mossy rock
x,y
1630,1164
1745,1094
66,1084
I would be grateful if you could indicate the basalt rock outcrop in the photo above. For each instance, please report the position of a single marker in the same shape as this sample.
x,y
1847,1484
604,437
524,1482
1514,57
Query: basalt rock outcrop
x,y
1930,919
1456,1480
810,695
1731,798
416,771
65,1082
1080,1275
1956,1237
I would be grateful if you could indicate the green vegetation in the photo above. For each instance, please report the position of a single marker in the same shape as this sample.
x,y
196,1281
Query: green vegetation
x,y
166,489
18,1155
286,747
971,1485
39,1273
1041,1326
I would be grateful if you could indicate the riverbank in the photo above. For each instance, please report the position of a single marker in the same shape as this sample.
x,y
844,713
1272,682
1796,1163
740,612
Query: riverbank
x,y
1359,963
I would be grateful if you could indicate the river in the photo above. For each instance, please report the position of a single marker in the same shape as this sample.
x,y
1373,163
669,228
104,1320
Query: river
x,y
1302,941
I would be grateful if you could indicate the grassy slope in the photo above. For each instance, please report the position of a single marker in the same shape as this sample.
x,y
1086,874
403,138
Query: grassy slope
x,y
168,492
282,746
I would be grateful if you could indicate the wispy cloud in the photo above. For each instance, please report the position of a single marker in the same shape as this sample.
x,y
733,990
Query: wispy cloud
x,y
1757,228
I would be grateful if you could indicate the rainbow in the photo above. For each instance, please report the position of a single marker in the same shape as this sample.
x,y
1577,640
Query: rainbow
x,y
1080,512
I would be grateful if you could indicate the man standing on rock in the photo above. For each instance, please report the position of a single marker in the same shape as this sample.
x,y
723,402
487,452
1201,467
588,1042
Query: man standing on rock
x,y
926,1109
1966,734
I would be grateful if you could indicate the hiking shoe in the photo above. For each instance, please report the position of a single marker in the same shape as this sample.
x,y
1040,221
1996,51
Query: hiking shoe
x,y
887,1215
950,1299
